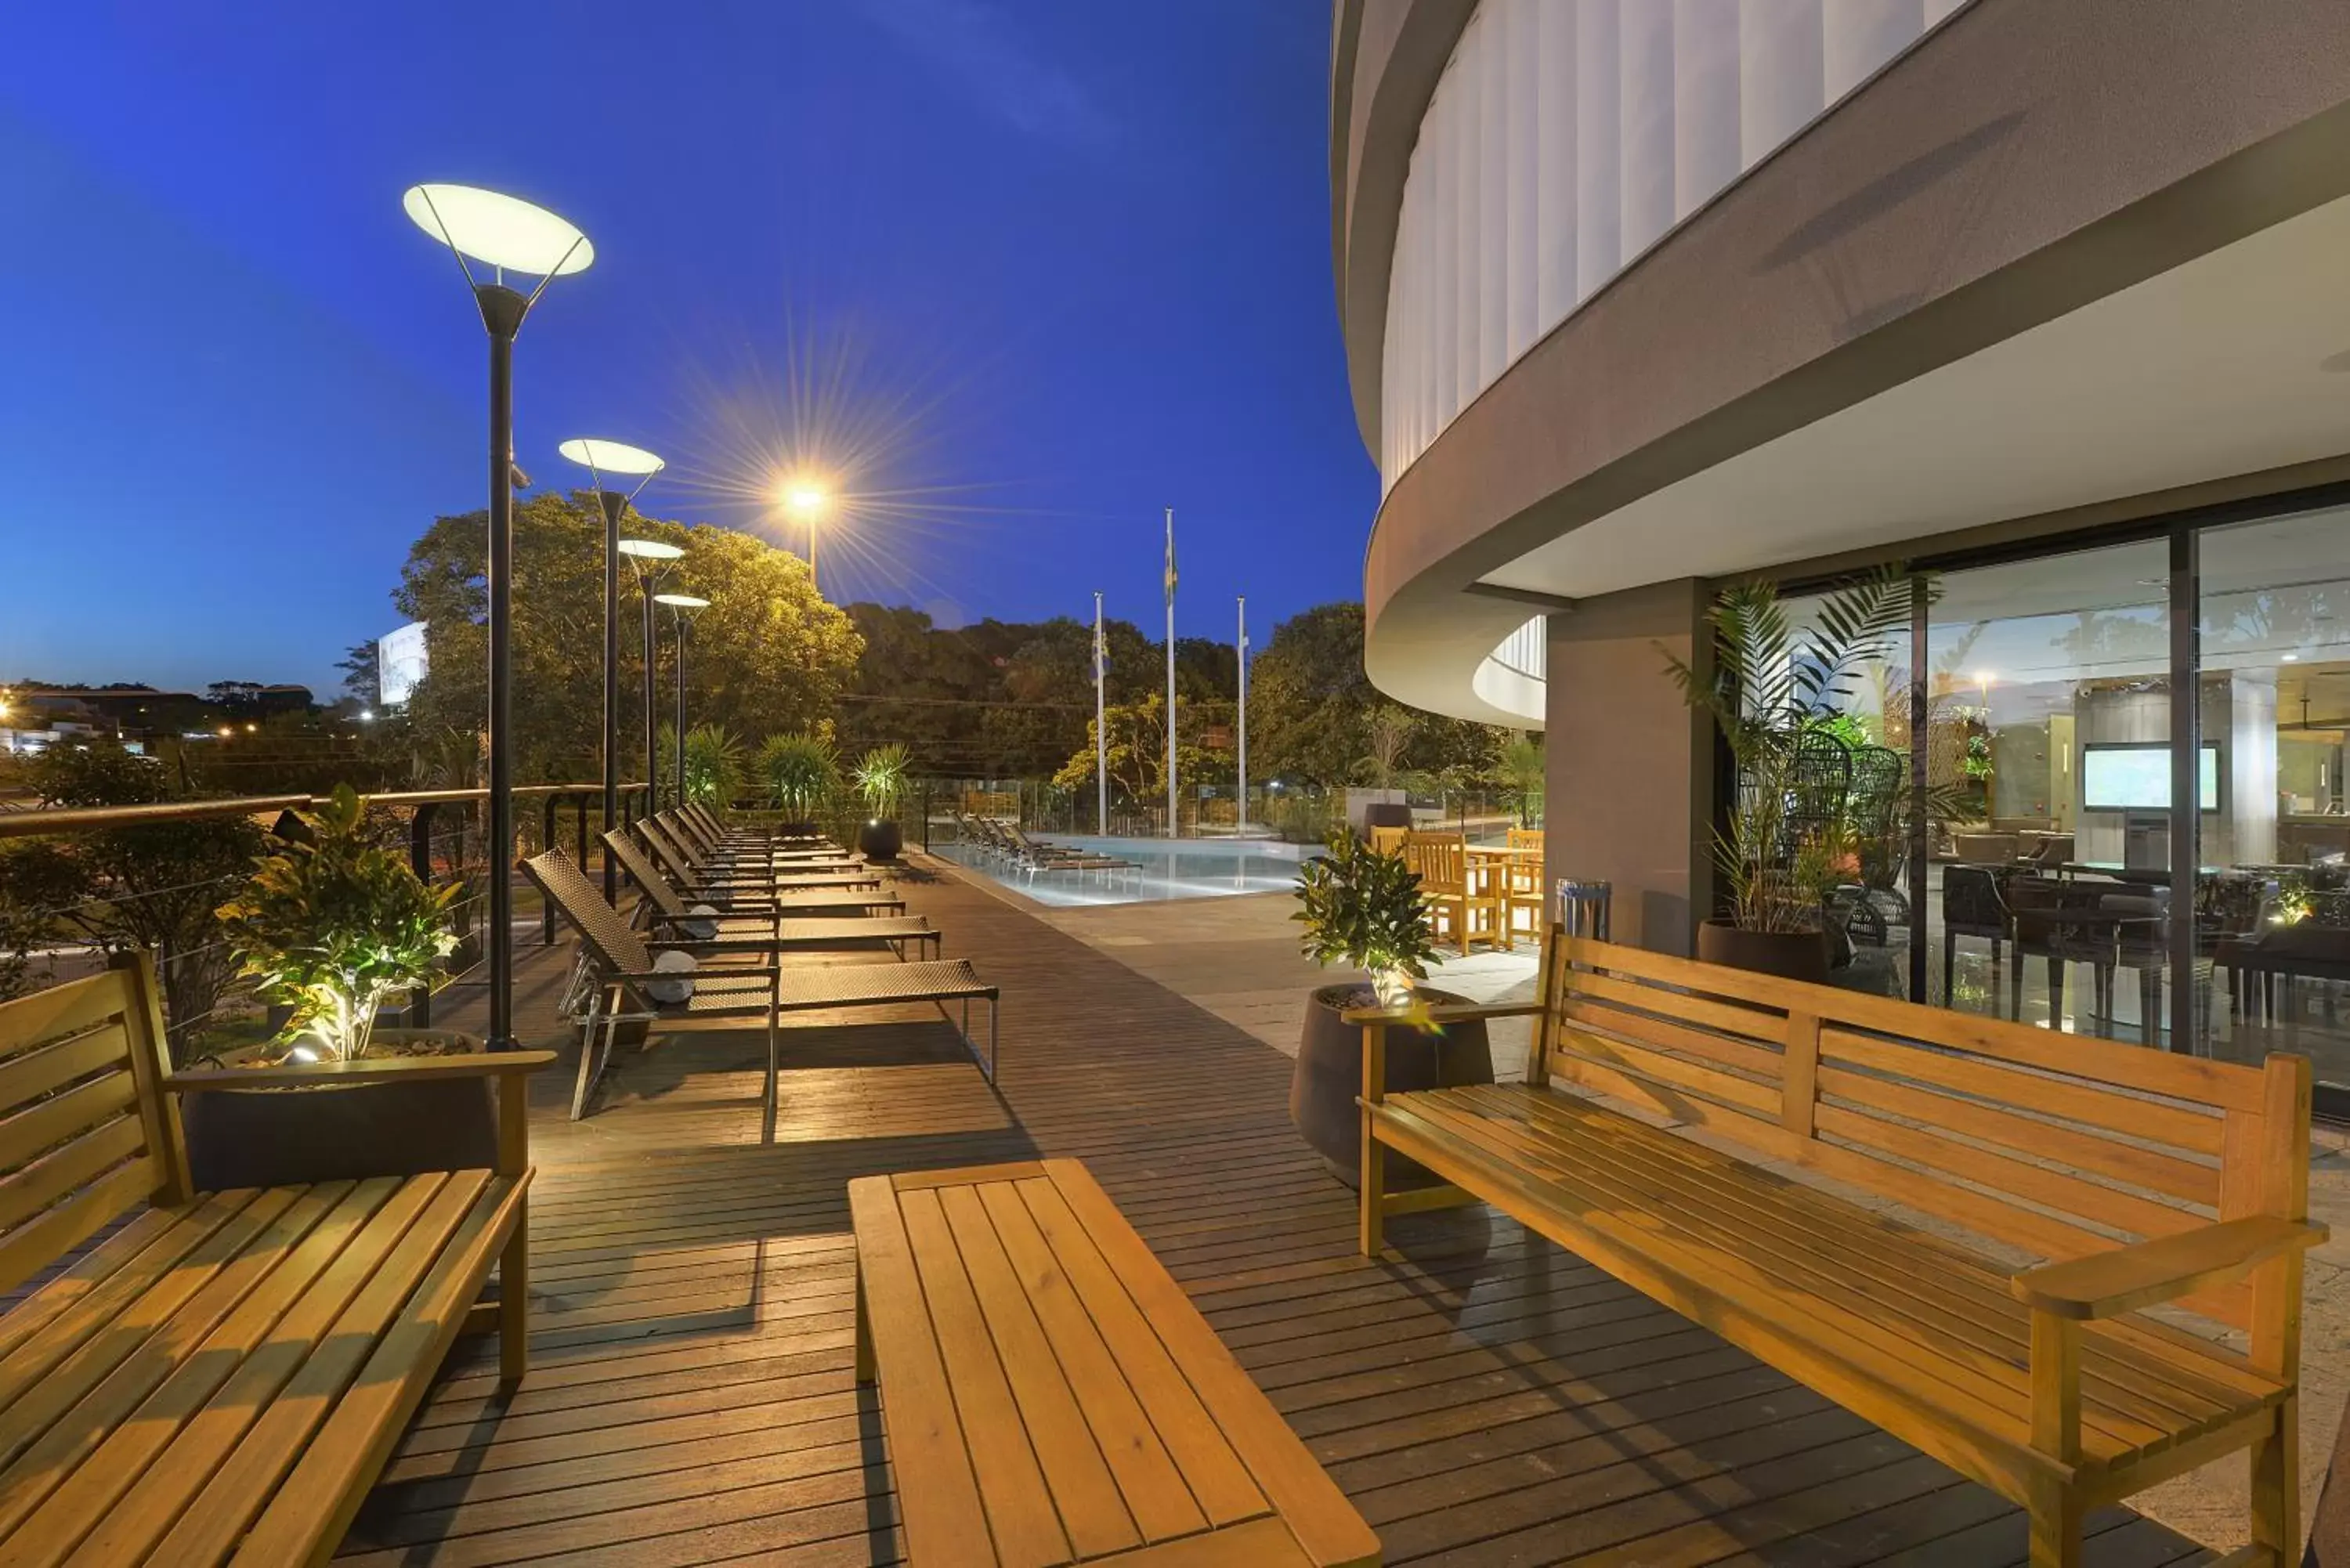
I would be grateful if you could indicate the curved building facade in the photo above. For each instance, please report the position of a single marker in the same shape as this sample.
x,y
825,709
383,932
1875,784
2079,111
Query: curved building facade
x,y
1644,296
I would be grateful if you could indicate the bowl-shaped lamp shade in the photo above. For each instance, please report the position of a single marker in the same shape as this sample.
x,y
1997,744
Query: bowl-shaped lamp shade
x,y
649,550
501,231
610,456
681,601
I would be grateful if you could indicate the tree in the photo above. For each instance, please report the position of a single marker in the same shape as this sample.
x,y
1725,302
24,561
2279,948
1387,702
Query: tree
x,y
1137,749
1386,734
362,673
1309,701
768,655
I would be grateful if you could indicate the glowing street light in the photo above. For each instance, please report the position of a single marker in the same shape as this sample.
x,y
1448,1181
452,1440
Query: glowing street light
x,y
600,458
504,235
652,559
684,608
807,501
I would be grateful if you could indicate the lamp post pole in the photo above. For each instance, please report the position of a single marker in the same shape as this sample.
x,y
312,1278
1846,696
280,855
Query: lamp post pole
x,y
653,713
683,608
613,503
506,235
1240,810
502,313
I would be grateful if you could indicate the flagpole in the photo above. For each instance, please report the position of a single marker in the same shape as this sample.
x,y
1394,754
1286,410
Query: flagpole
x,y
1172,820
1101,735
1240,815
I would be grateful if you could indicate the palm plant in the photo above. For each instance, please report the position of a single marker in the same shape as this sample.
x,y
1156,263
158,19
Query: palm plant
x,y
882,780
799,771
1387,731
713,762
1775,693
1520,771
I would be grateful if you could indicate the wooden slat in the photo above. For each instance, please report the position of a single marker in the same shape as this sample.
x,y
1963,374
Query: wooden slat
x,y
1317,1513
62,1010
2104,1285
91,1311
1019,1500
914,1180
315,1505
92,1420
944,1520
275,1441
1219,1479
1756,1099
82,1503
2182,1077
1751,1027
2067,1098
30,1131
1155,1494
1088,1501
84,1274
1260,1543
35,1187
34,1073
129,1531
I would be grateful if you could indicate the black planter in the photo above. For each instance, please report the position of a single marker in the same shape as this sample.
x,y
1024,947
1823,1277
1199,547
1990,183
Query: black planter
x,y
1328,1079
276,1137
1387,814
879,840
1790,955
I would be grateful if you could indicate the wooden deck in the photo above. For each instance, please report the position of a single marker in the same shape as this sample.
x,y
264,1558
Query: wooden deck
x,y
1493,1400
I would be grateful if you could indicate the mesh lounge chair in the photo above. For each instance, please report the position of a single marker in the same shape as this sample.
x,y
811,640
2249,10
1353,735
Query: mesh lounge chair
x,y
745,926
617,969
720,853
706,833
707,866
693,877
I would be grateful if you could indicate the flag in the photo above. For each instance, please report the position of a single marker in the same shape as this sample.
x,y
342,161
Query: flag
x,y
1170,557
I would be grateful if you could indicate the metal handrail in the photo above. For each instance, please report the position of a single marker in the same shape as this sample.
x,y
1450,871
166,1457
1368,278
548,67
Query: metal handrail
x,y
42,821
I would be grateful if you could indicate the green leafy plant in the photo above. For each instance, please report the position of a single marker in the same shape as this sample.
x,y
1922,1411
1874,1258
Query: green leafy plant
x,y
1773,691
1520,771
799,771
1387,731
882,780
1363,908
334,927
713,762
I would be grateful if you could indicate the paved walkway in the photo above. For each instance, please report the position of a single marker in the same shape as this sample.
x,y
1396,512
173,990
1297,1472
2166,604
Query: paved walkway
x,y
1487,1400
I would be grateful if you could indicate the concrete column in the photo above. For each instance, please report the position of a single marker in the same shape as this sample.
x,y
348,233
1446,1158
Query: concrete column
x,y
1630,768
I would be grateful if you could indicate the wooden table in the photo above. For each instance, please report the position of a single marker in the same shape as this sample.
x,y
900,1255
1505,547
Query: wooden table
x,y
1050,1395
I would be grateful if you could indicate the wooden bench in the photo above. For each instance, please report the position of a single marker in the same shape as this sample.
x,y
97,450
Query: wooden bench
x,y
222,1374
1052,1397
2133,1176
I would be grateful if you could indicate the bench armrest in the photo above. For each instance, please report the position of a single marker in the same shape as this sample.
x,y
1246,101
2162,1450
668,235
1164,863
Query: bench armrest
x,y
1451,1013
2104,1285
367,1070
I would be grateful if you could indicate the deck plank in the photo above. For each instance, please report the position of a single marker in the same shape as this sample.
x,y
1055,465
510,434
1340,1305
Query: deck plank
x,y
1489,1399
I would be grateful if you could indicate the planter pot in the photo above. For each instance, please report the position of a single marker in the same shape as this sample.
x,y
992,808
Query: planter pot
x,y
1329,1078
274,1137
1790,955
879,840
1387,814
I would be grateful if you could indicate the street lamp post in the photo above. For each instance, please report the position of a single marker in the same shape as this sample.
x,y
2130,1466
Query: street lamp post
x,y
505,236
652,560
806,501
684,608
600,458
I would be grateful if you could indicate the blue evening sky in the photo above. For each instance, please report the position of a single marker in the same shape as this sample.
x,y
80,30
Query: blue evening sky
x,y
1022,271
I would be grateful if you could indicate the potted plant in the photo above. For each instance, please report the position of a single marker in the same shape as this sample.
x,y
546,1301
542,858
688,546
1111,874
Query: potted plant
x,y
334,925
800,772
1773,691
1363,908
881,783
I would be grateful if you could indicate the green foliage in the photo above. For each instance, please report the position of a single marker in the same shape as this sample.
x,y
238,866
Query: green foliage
x,y
1386,732
335,926
1363,908
713,762
1137,749
1769,689
799,771
150,887
769,654
882,780
1521,776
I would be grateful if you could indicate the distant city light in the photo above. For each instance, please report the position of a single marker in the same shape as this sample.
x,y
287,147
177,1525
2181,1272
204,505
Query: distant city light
x,y
367,715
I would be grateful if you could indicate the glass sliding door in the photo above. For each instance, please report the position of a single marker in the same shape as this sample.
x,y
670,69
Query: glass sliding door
x,y
2272,914
2048,895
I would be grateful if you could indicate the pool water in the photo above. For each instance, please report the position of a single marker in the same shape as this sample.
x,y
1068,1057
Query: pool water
x,y
1189,868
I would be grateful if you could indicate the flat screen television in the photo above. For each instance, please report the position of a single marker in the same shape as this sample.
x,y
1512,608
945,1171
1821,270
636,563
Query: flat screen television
x,y
2123,776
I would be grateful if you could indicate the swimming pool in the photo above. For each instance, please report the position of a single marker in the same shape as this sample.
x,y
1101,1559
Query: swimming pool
x,y
1188,869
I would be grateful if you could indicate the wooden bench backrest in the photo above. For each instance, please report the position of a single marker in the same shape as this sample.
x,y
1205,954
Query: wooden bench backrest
x,y
2054,1144
1440,858
1525,839
1390,840
85,1132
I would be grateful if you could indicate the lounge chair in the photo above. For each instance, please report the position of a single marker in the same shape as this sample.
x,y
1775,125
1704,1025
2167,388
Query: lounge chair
x,y
617,970
712,836
696,876
759,923
1041,856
